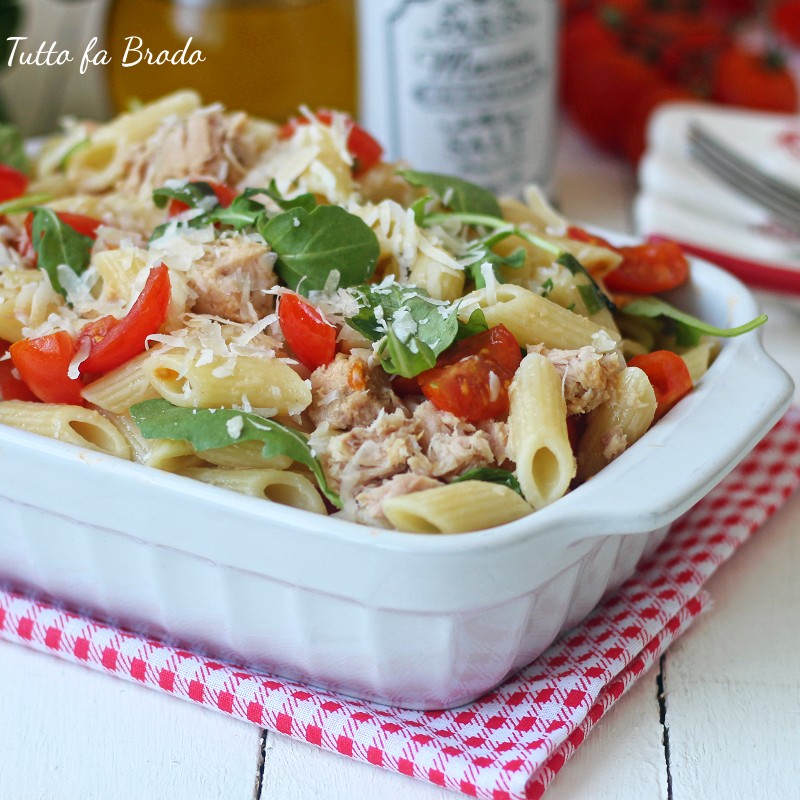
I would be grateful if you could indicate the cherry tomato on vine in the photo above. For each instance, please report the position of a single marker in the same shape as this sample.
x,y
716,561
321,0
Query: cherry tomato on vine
x,y
755,80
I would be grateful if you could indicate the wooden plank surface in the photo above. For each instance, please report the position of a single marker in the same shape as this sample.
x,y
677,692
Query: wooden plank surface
x,y
733,681
68,733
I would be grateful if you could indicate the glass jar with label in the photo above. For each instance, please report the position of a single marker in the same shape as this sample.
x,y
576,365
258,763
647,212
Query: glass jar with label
x,y
262,56
465,87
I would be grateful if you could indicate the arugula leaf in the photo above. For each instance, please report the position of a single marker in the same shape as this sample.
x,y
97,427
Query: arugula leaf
x,y
513,260
419,208
305,201
592,295
198,194
491,475
412,329
475,324
207,428
12,149
689,328
457,194
57,243
243,212
311,244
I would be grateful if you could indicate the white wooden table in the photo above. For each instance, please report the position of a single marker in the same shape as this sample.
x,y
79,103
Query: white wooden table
x,y
719,719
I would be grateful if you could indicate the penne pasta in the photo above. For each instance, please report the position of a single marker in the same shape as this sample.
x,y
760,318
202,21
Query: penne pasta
x,y
225,383
118,390
455,508
71,424
698,359
168,455
533,319
618,423
538,432
101,162
278,486
244,455
438,279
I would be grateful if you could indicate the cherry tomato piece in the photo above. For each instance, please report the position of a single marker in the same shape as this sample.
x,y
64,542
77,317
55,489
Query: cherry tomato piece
x,y
471,378
362,146
43,365
11,385
649,268
581,235
13,183
311,337
405,387
225,196
112,341
669,376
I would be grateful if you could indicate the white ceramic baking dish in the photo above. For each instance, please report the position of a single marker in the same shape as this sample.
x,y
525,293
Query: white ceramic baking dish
x,y
413,620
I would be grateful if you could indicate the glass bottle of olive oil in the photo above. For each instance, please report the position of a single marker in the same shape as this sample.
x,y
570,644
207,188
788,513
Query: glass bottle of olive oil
x,y
263,56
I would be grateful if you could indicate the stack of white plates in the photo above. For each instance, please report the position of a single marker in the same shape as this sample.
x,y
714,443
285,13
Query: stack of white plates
x,y
680,200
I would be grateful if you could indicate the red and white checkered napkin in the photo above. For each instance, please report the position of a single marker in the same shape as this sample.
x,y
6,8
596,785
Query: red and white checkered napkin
x,y
509,744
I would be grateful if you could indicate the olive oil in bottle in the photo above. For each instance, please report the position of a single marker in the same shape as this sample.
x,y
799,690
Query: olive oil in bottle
x,y
263,56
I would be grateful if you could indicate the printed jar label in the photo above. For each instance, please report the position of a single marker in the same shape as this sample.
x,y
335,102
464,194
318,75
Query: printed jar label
x,y
469,87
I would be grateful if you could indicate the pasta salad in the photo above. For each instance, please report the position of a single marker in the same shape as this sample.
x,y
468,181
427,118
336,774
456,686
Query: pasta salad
x,y
277,311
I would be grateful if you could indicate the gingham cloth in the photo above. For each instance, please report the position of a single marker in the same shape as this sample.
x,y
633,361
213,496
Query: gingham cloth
x,y
509,744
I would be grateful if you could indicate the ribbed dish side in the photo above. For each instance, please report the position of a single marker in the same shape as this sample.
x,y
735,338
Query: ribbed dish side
x,y
421,660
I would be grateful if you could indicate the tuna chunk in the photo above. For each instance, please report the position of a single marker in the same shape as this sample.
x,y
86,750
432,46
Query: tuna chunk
x,y
452,446
367,456
232,278
206,145
370,500
397,454
348,393
587,375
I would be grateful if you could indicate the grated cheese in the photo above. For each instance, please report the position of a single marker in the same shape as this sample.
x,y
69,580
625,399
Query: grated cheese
x,y
234,426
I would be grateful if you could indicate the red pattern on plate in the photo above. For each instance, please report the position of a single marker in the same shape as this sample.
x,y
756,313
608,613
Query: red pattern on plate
x,y
509,744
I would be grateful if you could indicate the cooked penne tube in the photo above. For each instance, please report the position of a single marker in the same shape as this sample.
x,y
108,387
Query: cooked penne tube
x,y
224,383
168,455
538,432
118,270
71,424
101,162
699,358
533,319
244,455
455,508
10,326
618,423
118,390
279,486
439,280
